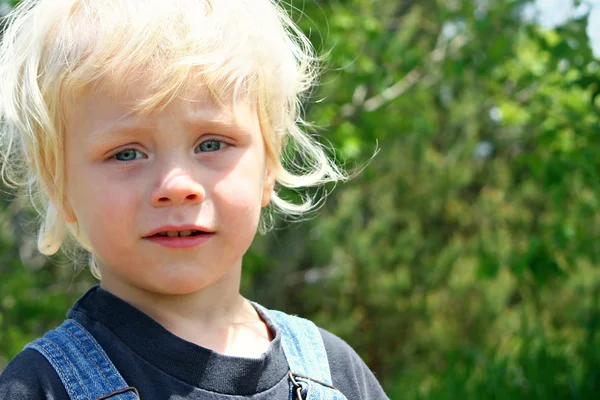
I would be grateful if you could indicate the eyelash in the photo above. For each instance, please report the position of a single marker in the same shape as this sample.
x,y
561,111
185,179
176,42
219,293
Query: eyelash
x,y
222,145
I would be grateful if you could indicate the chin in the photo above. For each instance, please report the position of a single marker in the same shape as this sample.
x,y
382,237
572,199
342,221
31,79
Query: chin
x,y
177,286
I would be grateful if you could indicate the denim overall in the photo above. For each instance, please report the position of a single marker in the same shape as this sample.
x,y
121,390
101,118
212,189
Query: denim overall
x,y
88,374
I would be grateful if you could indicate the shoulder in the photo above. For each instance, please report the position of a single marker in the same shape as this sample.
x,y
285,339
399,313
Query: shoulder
x,y
30,376
349,373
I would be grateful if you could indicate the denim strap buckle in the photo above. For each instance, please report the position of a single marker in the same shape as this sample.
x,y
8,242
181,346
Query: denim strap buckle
x,y
297,386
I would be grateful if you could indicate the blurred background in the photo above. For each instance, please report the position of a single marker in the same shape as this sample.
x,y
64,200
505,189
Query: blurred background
x,y
462,261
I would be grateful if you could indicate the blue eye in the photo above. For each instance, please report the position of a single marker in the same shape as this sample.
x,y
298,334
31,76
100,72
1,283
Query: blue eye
x,y
129,155
210,146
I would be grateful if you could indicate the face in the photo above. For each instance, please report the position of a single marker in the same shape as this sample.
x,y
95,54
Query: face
x,y
133,182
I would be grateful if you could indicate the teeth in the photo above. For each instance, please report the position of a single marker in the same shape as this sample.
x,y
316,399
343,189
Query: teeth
x,y
177,233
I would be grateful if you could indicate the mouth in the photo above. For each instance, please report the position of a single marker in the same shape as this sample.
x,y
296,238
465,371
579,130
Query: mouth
x,y
172,231
182,237
184,233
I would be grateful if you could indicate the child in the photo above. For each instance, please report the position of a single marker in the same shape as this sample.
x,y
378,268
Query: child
x,y
152,132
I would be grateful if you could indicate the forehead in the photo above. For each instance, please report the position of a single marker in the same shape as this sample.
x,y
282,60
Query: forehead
x,y
103,109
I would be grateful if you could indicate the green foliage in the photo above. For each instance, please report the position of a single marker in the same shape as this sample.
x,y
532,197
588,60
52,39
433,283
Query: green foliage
x,y
462,260
35,293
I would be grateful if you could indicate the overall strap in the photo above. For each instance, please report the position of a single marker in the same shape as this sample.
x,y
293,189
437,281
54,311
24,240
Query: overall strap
x,y
82,365
305,352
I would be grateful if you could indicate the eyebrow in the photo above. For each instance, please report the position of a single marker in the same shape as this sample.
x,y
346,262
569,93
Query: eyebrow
x,y
219,124
126,124
131,126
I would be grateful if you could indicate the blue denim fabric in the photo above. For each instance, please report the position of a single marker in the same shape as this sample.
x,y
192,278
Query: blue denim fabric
x,y
88,374
82,365
306,356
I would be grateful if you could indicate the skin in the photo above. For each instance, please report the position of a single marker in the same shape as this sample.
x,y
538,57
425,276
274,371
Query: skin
x,y
189,163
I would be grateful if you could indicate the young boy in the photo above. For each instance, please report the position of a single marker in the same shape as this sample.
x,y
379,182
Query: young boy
x,y
153,132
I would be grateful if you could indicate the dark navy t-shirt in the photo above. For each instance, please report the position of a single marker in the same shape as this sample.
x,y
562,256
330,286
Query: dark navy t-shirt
x,y
163,366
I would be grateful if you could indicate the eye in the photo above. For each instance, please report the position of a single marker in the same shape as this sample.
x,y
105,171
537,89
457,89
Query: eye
x,y
129,155
210,146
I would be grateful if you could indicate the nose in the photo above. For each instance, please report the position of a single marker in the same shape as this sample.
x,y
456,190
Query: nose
x,y
177,188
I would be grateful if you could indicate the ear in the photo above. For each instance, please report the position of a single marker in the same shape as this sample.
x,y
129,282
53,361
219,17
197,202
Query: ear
x,y
268,187
63,207
68,212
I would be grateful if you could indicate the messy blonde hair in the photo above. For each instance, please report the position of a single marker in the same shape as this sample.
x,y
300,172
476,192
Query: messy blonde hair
x,y
52,50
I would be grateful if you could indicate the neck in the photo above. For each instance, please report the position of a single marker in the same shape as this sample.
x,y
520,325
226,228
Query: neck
x,y
215,317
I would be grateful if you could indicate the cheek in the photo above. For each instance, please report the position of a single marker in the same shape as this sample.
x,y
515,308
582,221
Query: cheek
x,y
242,188
99,207
239,197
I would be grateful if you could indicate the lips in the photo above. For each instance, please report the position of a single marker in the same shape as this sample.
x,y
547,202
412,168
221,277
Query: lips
x,y
178,231
180,237
185,233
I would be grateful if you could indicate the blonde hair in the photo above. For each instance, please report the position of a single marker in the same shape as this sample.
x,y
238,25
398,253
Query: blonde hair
x,y
52,50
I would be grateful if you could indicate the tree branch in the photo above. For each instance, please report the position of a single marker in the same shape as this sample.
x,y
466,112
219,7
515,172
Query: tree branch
x,y
443,47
